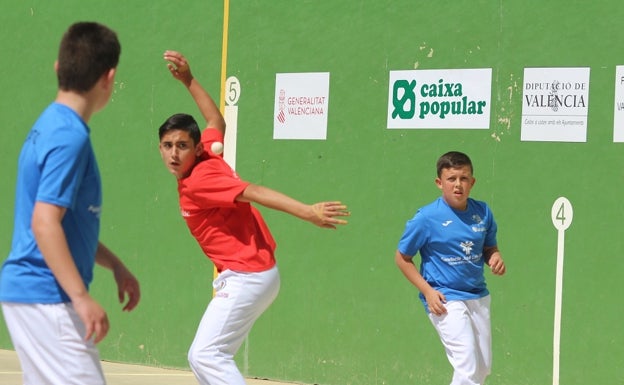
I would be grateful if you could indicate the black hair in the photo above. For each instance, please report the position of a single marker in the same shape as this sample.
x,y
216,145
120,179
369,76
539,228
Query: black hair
x,y
87,51
183,122
453,159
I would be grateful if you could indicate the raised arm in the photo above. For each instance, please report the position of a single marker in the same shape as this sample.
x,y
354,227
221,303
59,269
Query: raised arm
x,y
322,214
180,69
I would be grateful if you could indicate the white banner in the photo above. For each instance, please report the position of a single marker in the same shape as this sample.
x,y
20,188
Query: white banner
x,y
449,98
555,102
301,105
618,110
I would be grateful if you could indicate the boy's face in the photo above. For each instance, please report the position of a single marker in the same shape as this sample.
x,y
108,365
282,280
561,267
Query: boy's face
x,y
179,153
456,184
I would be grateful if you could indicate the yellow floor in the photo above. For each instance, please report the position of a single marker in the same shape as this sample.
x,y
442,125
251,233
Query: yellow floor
x,y
117,374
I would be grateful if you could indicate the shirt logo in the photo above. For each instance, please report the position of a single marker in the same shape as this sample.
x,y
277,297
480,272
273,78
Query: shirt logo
x,y
446,223
479,226
95,210
219,285
467,247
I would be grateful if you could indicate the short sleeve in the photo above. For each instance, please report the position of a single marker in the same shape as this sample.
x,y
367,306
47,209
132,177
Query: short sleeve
x,y
414,235
210,136
490,237
212,183
62,168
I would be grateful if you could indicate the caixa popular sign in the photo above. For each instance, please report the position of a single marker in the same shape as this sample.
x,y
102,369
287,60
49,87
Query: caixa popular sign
x,y
453,98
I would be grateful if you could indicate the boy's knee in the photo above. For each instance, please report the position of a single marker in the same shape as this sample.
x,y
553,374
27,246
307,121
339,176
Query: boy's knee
x,y
198,358
205,357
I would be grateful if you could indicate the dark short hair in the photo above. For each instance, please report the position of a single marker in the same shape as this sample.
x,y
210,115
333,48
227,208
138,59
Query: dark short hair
x,y
183,122
87,51
453,159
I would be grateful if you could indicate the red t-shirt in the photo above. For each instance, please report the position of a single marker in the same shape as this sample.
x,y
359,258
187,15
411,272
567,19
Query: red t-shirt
x,y
232,234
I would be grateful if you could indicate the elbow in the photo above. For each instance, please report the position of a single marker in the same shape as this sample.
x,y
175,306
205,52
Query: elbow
x,y
400,259
39,224
46,219
219,124
248,194
37,228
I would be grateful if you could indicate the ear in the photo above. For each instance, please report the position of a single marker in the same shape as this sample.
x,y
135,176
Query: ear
x,y
473,181
56,66
109,77
199,149
438,183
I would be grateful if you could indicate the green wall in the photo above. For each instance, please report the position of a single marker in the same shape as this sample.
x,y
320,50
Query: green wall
x,y
140,219
345,314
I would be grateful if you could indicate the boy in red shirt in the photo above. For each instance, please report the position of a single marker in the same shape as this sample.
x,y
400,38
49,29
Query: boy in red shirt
x,y
216,205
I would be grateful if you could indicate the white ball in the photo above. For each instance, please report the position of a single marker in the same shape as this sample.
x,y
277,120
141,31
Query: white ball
x,y
216,148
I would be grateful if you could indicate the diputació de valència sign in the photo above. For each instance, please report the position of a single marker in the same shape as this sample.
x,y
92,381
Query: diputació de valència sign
x,y
555,104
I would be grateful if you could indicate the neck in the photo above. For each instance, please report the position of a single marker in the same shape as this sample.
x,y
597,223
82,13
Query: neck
x,y
78,102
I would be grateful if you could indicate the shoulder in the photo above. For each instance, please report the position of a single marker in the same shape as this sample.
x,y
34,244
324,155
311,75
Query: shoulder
x,y
433,208
478,205
60,123
426,213
481,211
212,173
213,165
210,135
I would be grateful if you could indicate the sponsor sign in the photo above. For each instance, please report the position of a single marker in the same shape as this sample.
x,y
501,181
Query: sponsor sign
x,y
618,113
451,98
301,105
555,102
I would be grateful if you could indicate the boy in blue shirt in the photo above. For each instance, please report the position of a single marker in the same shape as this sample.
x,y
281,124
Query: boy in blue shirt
x,y
53,321
455,236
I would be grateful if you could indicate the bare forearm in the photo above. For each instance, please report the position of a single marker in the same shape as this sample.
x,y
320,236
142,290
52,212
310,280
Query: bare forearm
x,y
276,200
410,272
105,258
126,281
206,105
493,258
488,252
322,214
180,69
434,299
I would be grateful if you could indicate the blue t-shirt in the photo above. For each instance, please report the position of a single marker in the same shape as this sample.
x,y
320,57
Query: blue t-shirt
x,y
57,166
451,245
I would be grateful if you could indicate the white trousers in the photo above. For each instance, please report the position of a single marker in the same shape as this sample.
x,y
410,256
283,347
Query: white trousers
x,y
239,300
466,335
49,341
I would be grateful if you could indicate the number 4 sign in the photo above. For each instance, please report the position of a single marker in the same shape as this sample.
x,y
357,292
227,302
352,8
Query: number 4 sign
x,y
562,214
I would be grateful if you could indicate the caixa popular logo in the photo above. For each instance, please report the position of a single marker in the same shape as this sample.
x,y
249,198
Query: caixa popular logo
x,y
440,98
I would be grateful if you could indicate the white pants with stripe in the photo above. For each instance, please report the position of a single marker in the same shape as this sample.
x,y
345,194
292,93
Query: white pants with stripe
x,y
240,298
49,341
465,332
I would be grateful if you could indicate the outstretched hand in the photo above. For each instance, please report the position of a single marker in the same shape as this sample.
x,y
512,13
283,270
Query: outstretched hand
x,y
325,214
179,67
